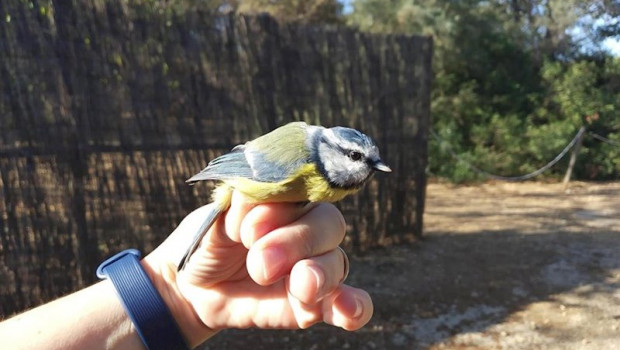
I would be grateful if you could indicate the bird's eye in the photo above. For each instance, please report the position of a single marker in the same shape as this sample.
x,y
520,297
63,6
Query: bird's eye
x,y
354,155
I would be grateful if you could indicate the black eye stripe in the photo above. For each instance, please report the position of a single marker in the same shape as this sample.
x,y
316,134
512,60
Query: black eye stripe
x,y
352,154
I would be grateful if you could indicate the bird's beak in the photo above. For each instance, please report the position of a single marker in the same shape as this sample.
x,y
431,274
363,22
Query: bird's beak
x,y
380,166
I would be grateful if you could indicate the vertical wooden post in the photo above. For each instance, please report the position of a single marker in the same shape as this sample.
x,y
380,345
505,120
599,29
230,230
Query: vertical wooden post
x,y
573,157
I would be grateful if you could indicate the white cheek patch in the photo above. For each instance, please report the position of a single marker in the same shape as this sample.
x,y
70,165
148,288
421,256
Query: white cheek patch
x,y
340,169
329,157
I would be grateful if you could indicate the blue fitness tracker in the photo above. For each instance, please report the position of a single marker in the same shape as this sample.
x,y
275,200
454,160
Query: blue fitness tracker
x,y
145,307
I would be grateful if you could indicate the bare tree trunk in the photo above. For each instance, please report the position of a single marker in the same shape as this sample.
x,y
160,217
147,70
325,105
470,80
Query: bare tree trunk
x,y
573,158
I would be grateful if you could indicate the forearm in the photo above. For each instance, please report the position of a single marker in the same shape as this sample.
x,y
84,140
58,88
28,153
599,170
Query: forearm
x,y
92,318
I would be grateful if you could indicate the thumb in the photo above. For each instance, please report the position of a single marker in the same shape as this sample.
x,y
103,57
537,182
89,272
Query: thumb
x,y
177,243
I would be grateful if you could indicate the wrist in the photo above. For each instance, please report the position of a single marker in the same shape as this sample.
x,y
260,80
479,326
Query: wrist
x,y
164,279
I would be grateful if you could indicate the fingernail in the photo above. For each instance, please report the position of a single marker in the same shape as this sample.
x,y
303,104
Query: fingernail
x,y
358,308
274,262
349,306
319,278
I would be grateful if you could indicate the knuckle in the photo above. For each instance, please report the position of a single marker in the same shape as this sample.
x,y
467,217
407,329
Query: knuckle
x,y
306,239
307,319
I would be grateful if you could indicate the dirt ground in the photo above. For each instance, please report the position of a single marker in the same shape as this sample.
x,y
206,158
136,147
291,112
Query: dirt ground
x,y
503,266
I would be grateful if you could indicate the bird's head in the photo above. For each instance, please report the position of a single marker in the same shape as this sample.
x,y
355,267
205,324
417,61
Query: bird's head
x,y
346,157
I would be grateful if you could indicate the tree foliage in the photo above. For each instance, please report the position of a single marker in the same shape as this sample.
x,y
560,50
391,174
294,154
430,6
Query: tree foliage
x,y
512,85
317,11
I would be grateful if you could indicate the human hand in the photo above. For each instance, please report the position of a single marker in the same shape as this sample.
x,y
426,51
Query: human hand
x,y
268,266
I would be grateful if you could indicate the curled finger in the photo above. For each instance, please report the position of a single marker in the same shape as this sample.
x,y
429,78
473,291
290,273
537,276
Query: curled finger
x,y
347,307
273,255
314,278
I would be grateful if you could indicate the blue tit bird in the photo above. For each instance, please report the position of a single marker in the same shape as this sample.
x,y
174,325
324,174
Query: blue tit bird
x,y
296,162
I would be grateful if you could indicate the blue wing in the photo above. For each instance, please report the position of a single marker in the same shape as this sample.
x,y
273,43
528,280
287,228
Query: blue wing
x,y
226,166
272,157
266,170
247,163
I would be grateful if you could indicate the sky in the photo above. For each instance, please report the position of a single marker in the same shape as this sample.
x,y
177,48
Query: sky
x,y
347,6
613,46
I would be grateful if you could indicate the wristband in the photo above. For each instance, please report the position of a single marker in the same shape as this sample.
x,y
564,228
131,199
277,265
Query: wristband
x,y
145,307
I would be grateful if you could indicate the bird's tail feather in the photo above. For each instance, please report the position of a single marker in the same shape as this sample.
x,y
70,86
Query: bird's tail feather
x,y
202,231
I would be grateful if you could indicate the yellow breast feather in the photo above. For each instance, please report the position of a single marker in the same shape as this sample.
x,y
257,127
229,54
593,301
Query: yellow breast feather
x,y
307,184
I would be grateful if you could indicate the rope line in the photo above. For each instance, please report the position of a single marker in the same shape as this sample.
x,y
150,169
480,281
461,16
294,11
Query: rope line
x,y
603,139
512,178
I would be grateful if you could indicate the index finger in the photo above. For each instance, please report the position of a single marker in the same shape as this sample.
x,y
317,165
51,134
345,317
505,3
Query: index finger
x,y
263,218
274,253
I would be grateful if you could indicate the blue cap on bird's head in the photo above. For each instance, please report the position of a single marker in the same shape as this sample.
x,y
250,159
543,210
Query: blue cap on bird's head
x,y
365,142
353,135
347,157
